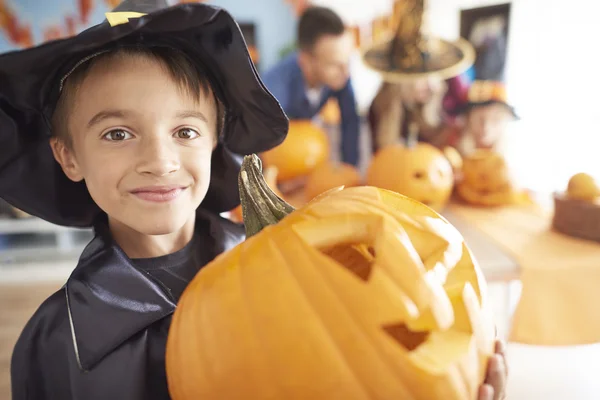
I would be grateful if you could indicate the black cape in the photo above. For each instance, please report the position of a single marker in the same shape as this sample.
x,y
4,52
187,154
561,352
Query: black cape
x,y
103,335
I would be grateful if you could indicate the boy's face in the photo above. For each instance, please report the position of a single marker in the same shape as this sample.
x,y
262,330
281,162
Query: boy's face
x,y
141,144
488,123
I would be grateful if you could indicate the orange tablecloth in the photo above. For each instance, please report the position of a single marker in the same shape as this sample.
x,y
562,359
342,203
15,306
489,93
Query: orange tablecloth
x,y
560,275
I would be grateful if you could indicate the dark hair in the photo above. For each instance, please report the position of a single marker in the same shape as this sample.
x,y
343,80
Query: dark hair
x,y
189,77
316,22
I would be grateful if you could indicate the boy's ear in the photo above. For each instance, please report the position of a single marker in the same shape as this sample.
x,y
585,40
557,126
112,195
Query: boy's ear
x,y
64,155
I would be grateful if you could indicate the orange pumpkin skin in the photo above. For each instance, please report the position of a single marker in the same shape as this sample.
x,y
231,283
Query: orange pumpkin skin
x,y
305,147
330,175
486,180
362,294
421,172
583,186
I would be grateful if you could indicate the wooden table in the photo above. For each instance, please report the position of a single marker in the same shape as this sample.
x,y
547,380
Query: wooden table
x,y
560,275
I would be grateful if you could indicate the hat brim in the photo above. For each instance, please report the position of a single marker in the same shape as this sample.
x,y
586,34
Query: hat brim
x,y
447,60
470,105
30,178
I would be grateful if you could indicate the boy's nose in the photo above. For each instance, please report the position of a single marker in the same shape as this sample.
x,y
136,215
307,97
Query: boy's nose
x,y
157,158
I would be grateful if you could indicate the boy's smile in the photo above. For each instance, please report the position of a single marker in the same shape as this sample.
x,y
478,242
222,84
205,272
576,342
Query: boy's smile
x,y
159,194
143,146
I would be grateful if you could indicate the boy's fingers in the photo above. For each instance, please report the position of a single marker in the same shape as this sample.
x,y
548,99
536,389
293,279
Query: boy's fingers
x,y
500,347
496,376
501,350
486,392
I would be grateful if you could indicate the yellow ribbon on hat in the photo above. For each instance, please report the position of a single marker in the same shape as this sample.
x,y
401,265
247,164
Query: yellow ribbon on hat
x,y
122,17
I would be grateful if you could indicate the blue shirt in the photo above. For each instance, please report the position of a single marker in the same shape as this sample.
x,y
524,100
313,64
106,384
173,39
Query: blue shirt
x,y
286,82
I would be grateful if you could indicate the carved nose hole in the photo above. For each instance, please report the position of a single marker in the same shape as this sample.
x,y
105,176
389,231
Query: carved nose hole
x,y
357,259
410,340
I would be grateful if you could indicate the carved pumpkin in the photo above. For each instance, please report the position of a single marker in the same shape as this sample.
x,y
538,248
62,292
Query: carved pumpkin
x,y
305,147
330,175
362,294
421,172
486,180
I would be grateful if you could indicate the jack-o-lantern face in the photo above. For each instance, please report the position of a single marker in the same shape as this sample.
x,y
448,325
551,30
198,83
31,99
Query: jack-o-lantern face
x,y
421,172
486,179
486,170
360,294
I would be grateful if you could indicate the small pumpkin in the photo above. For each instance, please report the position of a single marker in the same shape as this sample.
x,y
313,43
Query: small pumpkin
x,y
486,180
362,294
416,170
305,147
583,186
330,175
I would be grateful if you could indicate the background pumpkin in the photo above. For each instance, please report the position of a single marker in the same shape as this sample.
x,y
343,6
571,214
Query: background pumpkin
x,y
486,180
361,294
305,147
330,175
486,170
583,186
420,171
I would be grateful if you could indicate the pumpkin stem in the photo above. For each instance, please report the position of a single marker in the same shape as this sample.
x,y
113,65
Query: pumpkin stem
x,y
260,205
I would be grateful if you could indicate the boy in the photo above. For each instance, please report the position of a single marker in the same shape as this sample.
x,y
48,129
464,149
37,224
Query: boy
x,y
141,131
487,115
140,117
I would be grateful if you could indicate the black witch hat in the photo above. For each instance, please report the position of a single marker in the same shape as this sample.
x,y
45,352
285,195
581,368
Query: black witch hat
x,y
30,83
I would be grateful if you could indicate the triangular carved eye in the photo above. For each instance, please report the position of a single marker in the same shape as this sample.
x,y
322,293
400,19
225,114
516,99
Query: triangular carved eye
x,y
409,339
358,259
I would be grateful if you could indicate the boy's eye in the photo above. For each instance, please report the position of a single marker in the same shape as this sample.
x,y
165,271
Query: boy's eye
x,y
117,135
187,133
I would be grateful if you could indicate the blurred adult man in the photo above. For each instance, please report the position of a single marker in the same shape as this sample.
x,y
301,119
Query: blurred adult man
x,y
317,71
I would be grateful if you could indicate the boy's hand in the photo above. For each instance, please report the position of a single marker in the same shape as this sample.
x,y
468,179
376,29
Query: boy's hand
x,y
494,386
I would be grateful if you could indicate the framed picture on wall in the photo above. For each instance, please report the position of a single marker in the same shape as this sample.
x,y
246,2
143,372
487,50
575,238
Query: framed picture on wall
x,y
487,29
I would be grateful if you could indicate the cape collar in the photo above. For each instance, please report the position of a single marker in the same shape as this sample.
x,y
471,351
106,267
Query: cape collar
x,y
109,299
